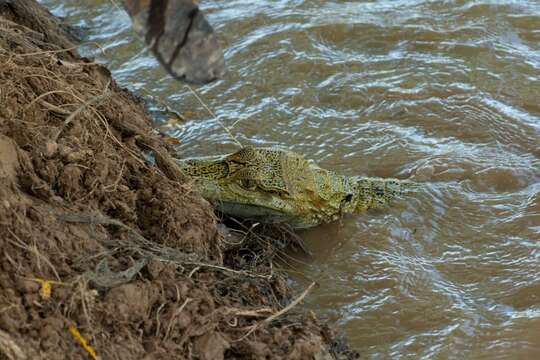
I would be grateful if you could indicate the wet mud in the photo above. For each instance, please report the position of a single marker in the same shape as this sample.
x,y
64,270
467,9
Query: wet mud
x,y
106,254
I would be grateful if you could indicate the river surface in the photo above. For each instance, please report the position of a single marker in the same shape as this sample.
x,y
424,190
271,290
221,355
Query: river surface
x,y
443,92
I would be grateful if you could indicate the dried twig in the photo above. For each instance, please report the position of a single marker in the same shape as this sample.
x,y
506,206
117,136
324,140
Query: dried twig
x,y
45,94
215,117
84,105
115,4
279,313
164,104
173,317
9,348
243,312
63,50
32,249
150,249
54,108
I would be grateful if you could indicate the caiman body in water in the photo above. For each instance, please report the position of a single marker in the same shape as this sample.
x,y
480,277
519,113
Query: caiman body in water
x,y
274,185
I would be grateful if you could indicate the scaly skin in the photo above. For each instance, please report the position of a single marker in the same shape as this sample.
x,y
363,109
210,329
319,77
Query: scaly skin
x,y
272,185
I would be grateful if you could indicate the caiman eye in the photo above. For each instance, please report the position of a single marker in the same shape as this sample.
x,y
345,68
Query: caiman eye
x,y
248,184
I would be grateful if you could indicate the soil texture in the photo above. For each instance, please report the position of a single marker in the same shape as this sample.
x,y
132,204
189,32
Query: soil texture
x,y
108,252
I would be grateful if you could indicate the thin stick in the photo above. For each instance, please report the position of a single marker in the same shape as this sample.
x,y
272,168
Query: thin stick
x,y
21,244
63,50
10,348
157,318
173,318
106,125
80,109
279,313
184,259
45,94
164,104
215,117
236,122
116,5
54,108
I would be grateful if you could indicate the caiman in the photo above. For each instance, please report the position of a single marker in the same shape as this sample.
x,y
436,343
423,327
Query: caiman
x,y
264,184
274,185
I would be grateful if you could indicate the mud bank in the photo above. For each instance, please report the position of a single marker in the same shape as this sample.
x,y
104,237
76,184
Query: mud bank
x,y
104,252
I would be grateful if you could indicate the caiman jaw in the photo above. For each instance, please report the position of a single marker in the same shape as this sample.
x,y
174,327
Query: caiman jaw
x,y
376,193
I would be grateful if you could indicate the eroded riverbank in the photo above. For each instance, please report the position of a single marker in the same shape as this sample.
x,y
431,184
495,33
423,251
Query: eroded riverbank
x,y
95,238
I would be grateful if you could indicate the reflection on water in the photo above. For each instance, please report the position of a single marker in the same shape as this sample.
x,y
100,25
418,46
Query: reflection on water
x,y
444,92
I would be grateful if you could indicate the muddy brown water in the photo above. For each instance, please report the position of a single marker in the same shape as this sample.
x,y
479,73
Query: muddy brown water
x,y
443,92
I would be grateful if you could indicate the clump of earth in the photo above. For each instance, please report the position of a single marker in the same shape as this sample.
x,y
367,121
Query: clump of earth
x,y
105,254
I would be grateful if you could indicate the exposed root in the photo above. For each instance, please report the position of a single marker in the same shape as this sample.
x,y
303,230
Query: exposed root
x,y
274,316
138,245
98,239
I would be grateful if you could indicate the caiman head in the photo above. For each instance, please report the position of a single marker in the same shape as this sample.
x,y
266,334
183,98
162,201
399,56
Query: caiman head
x,y
273,185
